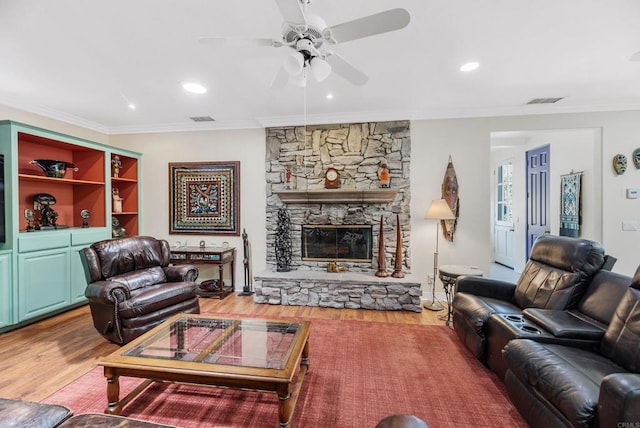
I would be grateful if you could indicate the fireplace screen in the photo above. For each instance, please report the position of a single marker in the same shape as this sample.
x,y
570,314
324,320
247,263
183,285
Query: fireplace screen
x,y
351,243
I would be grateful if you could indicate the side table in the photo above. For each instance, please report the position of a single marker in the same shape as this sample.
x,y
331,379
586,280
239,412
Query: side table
x,y
448,275
220,256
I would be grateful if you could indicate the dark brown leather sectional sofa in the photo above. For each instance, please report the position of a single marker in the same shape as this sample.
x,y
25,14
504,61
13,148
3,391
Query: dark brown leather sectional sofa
x,y
565,338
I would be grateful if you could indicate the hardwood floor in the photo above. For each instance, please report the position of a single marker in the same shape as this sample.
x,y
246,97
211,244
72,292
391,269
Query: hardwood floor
x,y
40,358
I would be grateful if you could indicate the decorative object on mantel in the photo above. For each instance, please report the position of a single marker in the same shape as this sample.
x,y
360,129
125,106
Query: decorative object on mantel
x,y
331,178
332,267
382,261
283,241
383,173
85,214
54,168
636,158
116,164
620,164
570,204
246,289
438,210
450,194
397,265
287,178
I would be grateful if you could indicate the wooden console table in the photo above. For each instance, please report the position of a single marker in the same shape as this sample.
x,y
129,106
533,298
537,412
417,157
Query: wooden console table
x,y
220,256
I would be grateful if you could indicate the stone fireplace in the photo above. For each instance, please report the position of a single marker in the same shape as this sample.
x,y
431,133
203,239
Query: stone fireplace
x,y
339,223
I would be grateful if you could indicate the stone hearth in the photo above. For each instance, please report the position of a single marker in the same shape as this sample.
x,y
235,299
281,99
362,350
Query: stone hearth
x,y
338,290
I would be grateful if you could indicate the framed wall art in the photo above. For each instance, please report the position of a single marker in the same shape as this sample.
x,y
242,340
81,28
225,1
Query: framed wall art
x,y
204,198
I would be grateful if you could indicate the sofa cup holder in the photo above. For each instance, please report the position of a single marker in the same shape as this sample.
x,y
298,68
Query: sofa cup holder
x,y
514,318
530,329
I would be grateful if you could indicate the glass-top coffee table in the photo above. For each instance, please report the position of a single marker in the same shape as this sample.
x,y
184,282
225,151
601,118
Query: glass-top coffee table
x,y
207,350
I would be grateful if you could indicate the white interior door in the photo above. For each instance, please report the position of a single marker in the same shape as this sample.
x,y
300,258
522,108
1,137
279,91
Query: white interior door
x,y
504,227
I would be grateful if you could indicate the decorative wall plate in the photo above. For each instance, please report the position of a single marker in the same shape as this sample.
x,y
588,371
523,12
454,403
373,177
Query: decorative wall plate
x,y
620,163
636,157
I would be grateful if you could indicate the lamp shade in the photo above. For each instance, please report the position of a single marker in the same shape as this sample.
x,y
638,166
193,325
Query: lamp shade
x,y
320,68
439,210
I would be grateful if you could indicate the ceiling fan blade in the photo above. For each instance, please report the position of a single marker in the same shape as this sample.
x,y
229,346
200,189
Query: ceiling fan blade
x,y
237,41
635,57
383,22
346,70
291,11
281,79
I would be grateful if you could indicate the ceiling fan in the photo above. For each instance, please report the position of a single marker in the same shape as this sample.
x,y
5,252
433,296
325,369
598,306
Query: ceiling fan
x,y
308,34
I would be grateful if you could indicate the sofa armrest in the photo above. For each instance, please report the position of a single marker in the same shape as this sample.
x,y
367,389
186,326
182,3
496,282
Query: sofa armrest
x,y
619,400
564,324
104,291
485,287
181,273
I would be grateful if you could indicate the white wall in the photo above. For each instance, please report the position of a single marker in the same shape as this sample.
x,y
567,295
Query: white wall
x,y
246,146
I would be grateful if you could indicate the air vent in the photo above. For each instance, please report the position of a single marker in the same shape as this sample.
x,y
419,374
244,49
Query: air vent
x,y
545,100
202,119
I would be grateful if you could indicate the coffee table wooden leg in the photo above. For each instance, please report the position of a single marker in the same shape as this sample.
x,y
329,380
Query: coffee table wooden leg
x,y
113,392
287,398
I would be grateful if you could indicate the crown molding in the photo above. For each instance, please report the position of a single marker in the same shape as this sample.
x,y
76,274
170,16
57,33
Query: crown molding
x,y
301,120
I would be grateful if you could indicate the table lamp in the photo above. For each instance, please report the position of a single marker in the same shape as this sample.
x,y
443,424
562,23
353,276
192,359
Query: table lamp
x,y
438,210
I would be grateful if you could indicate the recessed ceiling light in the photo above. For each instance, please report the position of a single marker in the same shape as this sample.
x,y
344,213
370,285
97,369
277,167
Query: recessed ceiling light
x,y
329,96
132,106
470,66
194,88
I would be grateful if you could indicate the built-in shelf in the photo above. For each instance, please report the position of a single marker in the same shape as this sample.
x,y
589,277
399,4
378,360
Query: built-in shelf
x,y
337,196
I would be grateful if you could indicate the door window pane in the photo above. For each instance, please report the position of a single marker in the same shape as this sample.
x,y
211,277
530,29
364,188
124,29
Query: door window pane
x,y
504,192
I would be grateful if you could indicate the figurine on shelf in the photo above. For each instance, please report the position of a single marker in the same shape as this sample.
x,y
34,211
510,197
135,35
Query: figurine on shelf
x,y
31,220
48,217
117,164
117,201
85,214
117,231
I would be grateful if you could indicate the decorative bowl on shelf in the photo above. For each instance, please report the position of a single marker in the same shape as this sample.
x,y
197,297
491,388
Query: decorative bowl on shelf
x,y
54,168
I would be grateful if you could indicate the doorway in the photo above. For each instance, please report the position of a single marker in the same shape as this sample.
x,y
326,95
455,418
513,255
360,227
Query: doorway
x,y
537,194
571,149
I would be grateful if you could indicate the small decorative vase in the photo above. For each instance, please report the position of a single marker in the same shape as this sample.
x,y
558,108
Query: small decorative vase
x,y
397,265
54,168
382,262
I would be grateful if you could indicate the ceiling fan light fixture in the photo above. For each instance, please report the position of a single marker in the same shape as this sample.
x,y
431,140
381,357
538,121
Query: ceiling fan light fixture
x,y
320,68
294,63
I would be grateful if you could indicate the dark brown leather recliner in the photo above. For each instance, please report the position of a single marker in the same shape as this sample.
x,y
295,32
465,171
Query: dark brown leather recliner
x,y
555,277
132,288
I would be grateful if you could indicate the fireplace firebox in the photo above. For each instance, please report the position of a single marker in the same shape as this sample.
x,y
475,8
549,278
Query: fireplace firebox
x,y
347,243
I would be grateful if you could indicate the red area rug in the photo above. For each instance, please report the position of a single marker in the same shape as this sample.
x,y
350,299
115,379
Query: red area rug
x,y
360,372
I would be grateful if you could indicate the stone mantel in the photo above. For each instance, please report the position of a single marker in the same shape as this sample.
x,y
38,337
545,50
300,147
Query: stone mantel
x,y
337,196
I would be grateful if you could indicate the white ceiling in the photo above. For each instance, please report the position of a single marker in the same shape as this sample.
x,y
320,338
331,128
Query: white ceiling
x,y
82,61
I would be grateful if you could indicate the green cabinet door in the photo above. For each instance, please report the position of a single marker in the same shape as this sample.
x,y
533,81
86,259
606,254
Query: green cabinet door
x,y
43,282
78,278
5,290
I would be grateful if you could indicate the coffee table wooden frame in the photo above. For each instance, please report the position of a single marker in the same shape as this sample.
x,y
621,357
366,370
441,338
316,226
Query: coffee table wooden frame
x,y
280,381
